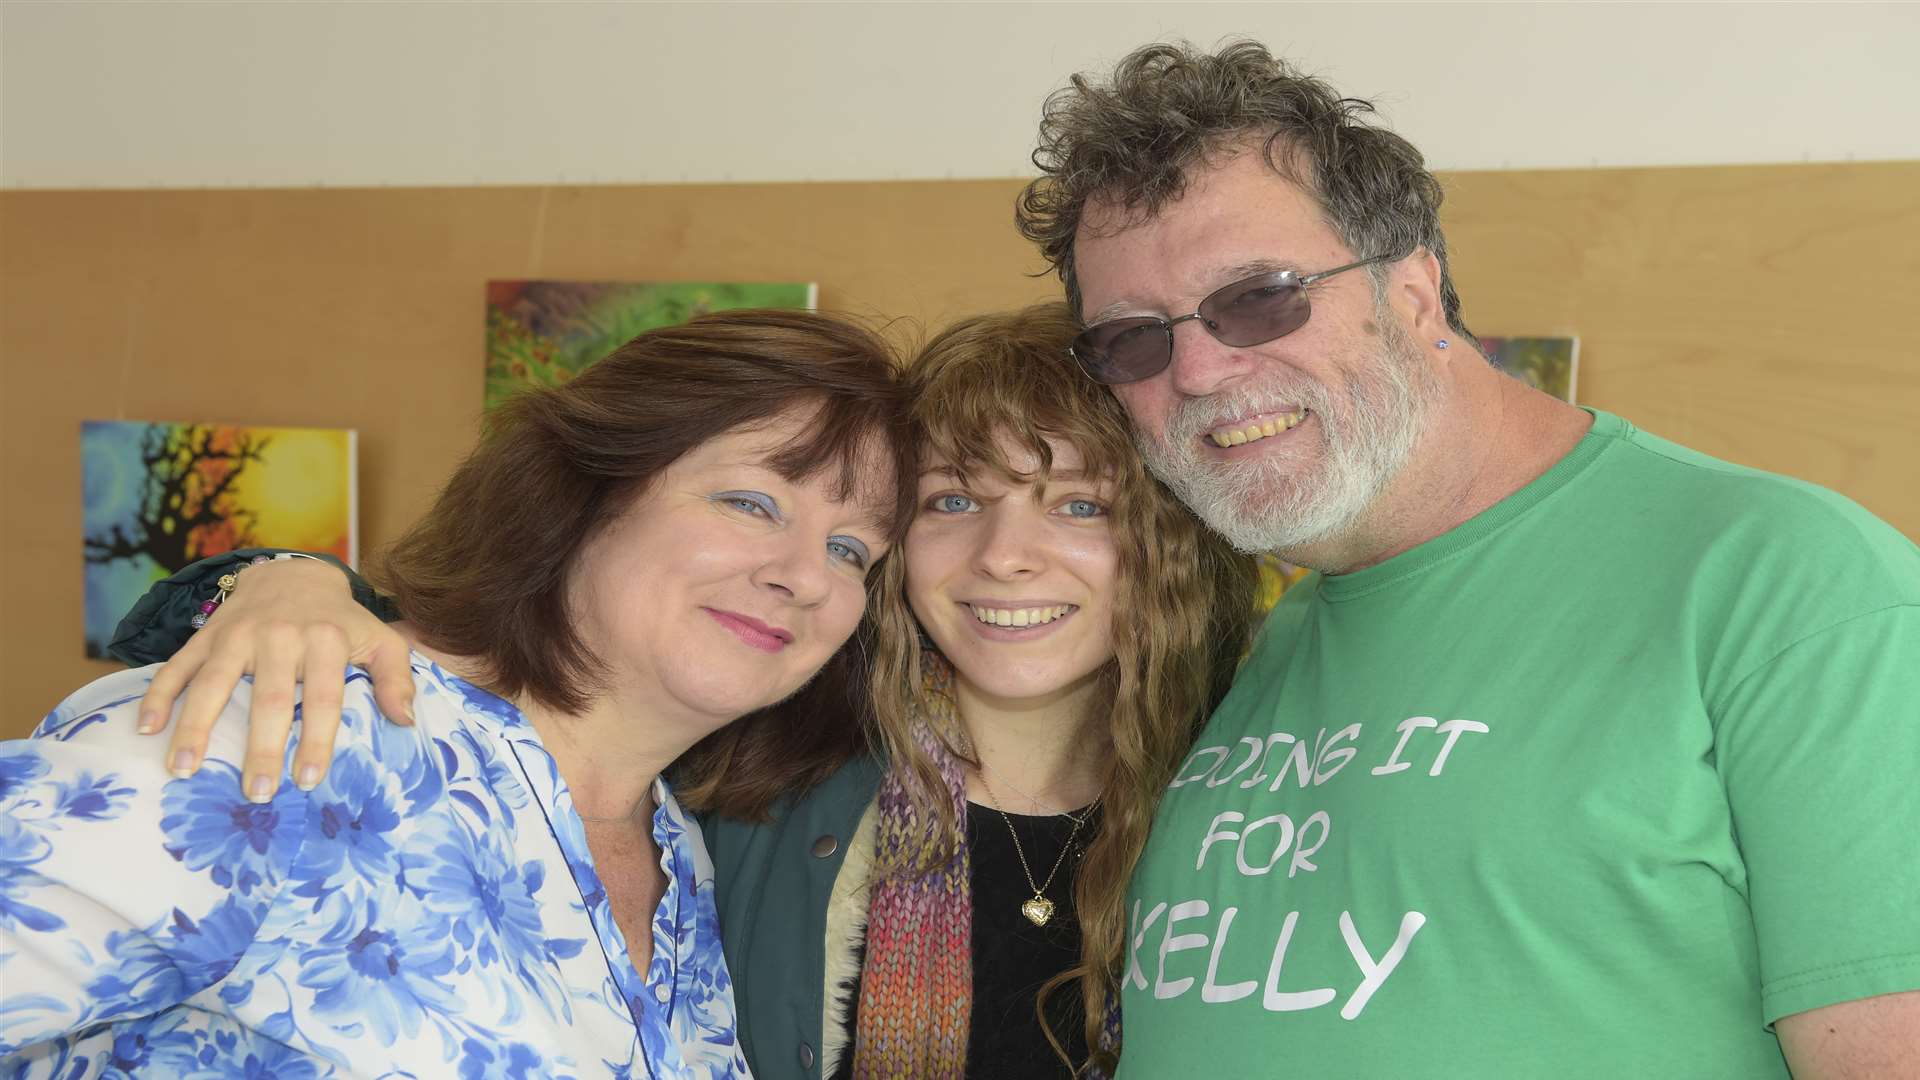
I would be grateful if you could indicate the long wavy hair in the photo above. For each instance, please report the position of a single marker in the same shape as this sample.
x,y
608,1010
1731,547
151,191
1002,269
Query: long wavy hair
x,y
1009,375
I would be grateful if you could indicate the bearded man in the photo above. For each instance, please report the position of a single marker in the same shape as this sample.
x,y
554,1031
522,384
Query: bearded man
x,y
1582,755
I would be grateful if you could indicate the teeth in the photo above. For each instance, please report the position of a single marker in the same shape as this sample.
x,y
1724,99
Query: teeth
x,y
1019,616
1226,437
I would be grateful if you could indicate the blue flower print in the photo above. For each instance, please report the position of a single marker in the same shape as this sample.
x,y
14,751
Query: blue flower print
x,y
502,1061
272,1062
21,845
20,765
227,1056
20,849
173,1044
210,826
355,814
204,949
142,980
151,1046
130,1052
90,797
475,700
387,963
490,902
182,956
405,752
431,910
498,774
708,994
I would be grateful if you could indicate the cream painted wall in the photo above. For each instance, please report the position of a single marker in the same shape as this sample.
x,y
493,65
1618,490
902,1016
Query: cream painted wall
x,y
170,94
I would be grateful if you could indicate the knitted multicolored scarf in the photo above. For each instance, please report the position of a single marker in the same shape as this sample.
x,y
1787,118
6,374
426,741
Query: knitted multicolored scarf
x,y
916,986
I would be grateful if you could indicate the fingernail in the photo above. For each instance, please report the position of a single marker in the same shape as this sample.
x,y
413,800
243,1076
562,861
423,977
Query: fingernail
x,y
149,723
260,789
407,711
308,777
183,763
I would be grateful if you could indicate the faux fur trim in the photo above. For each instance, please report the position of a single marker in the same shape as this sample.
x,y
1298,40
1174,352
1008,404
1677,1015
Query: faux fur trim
x,y
847,908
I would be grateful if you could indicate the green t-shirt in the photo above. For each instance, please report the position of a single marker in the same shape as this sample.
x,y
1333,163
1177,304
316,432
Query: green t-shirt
x,y
1599,784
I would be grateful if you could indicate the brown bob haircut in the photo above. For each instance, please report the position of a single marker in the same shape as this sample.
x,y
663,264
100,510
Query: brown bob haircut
x,y
485,573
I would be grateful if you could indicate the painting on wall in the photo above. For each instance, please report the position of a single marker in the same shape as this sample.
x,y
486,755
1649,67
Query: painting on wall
x,y
1545,363
156,497
1276,577
543,333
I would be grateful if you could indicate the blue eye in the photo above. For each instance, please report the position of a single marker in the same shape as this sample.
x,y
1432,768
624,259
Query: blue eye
x,y
849,550
748,502
952,504
1084,508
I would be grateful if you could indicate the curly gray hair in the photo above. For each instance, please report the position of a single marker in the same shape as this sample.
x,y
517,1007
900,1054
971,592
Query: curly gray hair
x,y
1168,108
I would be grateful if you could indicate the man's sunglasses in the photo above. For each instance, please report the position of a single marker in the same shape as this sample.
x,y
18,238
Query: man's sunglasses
x,y
1247,312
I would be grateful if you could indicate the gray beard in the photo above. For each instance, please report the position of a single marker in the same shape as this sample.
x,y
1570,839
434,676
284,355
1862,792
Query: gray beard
x,y
1266,504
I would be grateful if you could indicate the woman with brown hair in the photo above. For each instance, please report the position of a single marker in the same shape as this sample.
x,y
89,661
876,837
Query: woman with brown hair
x,y
623,568
950,903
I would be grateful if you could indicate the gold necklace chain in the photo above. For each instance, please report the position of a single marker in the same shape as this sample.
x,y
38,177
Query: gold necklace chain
x,y
1038,909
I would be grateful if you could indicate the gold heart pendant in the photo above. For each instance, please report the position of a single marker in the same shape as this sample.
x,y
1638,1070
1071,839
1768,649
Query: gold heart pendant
x,y
1037,910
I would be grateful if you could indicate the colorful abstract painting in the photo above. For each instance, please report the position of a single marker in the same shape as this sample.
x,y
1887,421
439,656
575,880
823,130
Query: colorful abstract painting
x,y
1276,577
159,496
543,333
1545,363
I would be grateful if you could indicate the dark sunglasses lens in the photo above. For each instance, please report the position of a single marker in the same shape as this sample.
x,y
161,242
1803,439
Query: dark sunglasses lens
x,y
1256,310
1122,350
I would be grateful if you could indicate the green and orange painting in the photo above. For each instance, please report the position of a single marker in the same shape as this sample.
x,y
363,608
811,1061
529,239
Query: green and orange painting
x,y
157,496
543,333
1544,363
1276,577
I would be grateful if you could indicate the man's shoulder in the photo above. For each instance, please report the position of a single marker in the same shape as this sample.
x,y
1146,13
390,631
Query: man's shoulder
x,y
1734,505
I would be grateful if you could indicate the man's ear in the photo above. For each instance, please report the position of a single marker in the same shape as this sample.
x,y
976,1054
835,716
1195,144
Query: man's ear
x,y
1414,291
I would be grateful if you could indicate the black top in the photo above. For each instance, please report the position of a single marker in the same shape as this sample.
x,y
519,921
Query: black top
x,y
1013,958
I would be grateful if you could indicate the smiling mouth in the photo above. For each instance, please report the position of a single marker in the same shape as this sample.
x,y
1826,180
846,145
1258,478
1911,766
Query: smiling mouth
x,y
752,632
1224,437
1016,618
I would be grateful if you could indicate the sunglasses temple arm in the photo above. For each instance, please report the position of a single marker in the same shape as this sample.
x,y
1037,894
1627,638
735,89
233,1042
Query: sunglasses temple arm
x,y
1311,278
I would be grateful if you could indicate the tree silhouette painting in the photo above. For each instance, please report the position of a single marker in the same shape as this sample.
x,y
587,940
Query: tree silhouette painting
x,y
543,333
160,496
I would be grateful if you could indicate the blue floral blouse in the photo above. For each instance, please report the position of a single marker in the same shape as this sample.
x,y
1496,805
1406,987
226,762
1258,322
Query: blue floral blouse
x,y
430,910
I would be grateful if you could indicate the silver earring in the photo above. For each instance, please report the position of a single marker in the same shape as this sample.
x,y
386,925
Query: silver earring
x,y
1441,344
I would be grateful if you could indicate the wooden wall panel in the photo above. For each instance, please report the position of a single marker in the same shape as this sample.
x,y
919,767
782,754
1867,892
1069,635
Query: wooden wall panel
x,y
1763,315
1756,313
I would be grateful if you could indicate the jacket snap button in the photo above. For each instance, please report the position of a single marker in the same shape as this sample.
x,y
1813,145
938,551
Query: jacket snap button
x,y
806,1055
824,847
662,992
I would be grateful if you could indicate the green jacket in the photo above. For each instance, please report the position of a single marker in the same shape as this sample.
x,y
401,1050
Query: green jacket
x,y
772,883
772,880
